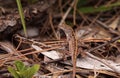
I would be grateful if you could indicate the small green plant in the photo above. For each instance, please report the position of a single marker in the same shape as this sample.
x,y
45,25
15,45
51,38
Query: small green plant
x,y
22,71
91,9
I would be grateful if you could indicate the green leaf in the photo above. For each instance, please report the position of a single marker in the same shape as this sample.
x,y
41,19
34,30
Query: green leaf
x,y
101,8
13,72
21,16
30,71
20,66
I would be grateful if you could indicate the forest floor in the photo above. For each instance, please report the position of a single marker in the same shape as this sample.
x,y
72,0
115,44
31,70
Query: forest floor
x,y
57,32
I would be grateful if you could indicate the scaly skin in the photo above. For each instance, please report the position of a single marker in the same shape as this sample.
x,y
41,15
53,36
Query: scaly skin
x,y
72,41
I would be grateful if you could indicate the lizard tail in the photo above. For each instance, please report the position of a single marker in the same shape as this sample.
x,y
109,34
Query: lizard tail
x,y
74,68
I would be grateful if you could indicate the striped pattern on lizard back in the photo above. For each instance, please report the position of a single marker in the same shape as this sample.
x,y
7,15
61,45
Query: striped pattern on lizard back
x,y
72,41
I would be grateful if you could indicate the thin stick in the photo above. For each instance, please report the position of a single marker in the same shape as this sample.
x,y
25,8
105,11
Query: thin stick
x,y
74,12
67,12
39,51
52,26
103,61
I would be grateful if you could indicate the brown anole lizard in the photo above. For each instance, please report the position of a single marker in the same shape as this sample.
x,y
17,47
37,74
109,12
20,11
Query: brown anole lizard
x,y
72,41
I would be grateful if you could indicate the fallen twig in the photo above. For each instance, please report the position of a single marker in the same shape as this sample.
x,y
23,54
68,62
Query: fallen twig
x,y
102,60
